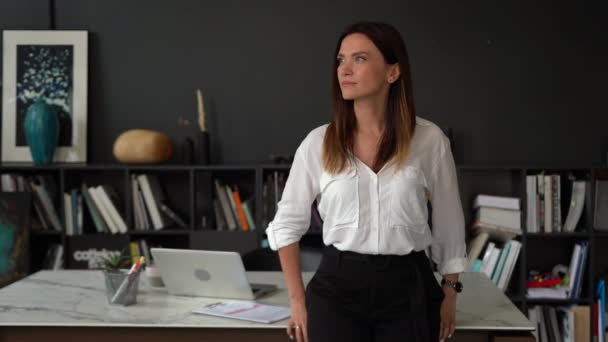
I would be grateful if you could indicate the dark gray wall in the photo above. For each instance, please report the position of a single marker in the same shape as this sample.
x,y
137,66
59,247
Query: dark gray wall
x,y
518,83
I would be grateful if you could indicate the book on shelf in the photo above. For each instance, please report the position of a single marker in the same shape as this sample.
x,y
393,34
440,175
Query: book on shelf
x,y
145,220
488,262
579,255
553,329
43,195
67,210
600,308
107,210
507,218
545,203
501,202
232,207
220,221
138,221
496,232
560,323
511,261
76,211
249,215
501,262
231,210
582,319
53,259
40,221
474,248
575,208
152,194
547,292
532,200
70,213
98,221
151,208
8,182
495,227
173,215
566,316
239,209
220,193
600,219
110,198
140,248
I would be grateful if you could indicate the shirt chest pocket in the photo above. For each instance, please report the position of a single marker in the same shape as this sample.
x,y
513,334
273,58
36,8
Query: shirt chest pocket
x,y
408,204
340,199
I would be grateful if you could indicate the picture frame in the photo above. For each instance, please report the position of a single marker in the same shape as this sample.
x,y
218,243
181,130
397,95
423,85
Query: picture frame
x,y
15,209
52,65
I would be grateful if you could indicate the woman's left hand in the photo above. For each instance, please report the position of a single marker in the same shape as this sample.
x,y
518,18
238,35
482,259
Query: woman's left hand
x,y
448,315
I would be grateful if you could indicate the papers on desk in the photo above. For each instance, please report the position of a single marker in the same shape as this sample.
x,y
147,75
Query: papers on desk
x,y
245,310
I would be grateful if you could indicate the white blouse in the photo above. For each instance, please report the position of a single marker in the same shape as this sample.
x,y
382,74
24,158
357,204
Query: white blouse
x,y
384,213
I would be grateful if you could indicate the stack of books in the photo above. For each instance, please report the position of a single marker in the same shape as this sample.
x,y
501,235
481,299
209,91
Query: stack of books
x,y
544,204
151,210
561,323
101,201
231,212
496,224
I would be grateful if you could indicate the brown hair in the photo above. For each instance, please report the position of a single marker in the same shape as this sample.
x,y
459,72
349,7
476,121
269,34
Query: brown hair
x,y
401,114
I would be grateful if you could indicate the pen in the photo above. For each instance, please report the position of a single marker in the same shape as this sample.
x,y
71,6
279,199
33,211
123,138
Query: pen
x,y
128,279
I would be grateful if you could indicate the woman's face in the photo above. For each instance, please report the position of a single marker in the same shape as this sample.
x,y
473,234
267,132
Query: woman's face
x,y
362,71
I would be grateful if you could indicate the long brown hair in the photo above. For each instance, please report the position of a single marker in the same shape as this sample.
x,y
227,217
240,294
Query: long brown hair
x,y
401,115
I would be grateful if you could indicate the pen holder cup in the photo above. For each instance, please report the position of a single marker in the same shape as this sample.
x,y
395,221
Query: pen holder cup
x,y
113,283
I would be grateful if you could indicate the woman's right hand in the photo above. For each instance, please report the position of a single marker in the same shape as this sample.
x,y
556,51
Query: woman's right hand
x,y
297,324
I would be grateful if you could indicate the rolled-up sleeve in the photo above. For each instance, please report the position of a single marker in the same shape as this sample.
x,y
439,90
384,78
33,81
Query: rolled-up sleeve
x,y
449,247
292,218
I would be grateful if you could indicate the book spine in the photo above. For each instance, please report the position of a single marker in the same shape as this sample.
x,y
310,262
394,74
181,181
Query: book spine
x,y
221,195
239,209
249,215
98,221
233,211
144,183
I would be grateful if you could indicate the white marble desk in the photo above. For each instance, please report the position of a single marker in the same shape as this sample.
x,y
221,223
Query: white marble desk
x,y
70,303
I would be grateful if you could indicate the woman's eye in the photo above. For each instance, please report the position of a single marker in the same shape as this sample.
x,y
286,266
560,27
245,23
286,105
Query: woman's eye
x,y
340,60
359,59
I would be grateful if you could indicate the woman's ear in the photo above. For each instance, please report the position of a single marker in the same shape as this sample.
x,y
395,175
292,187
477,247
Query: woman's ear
x,y
393,72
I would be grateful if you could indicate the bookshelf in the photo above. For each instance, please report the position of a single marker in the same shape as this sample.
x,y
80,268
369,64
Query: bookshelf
x,y
189,188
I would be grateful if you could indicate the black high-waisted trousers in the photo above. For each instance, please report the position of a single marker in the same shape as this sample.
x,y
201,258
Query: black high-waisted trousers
x,y
358,297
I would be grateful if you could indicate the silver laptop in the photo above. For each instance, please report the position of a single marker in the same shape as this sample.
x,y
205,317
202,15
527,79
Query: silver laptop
x,y
188,272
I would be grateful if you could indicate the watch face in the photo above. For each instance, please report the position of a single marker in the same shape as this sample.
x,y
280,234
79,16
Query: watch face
x,y
455,285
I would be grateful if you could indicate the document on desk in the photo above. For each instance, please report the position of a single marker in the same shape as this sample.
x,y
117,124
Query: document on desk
x,y
245,310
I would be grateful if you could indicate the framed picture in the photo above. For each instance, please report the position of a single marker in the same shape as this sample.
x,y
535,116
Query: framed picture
x,y
48,65
14,236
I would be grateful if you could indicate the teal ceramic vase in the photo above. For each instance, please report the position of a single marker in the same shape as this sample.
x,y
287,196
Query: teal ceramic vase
x,y
41,131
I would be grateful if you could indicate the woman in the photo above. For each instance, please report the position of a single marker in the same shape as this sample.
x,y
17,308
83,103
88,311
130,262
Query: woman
x,y
373,169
